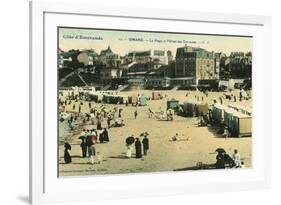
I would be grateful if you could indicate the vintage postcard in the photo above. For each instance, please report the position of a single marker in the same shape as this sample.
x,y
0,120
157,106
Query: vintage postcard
x,y
143,101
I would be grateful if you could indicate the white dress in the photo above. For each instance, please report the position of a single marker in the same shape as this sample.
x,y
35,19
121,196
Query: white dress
x,y
129,151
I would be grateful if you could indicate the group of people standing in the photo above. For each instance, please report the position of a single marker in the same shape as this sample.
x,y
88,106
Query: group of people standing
x,y
89,139
141,147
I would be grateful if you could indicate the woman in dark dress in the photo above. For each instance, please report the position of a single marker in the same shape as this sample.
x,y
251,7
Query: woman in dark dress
x,y
105,135
145,143
83,146
89,143
220,161
138,148
99,125
101,137
67,157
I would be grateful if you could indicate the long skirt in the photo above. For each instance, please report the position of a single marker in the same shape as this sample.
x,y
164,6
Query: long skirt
x,y
67,157
129,151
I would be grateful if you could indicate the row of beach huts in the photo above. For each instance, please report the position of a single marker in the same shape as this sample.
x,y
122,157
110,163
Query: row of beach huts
x,y
236,118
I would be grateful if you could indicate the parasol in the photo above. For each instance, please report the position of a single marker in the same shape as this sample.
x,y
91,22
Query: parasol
x,y
130,140
67,146
220,150
82,137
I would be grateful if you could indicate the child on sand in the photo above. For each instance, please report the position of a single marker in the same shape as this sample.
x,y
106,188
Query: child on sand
x,y
99,157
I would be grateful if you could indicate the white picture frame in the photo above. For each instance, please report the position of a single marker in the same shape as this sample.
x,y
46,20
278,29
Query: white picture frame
x,y
46,187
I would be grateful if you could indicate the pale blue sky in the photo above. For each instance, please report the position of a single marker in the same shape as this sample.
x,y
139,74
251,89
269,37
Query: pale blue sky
x,y
119,41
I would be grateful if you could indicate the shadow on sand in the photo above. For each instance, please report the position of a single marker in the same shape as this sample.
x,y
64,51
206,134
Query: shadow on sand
x,y
118,157
74,156
201,167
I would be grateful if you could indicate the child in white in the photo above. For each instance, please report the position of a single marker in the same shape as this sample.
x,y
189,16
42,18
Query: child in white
x,y
236,158
99,157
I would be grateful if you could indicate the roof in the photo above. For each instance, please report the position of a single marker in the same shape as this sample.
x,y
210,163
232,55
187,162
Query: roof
x,y
139,53
240,115
230,110
108,50
173,100
137,73
220,106
188,51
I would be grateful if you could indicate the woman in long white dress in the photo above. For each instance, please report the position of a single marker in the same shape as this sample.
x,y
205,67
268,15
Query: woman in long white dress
x,y
129,151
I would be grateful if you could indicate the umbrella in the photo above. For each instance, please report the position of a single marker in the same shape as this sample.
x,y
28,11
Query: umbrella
x,y
67,146
220,150
130,140
82,137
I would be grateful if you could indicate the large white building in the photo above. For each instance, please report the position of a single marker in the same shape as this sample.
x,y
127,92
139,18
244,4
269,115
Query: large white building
x,y
161,57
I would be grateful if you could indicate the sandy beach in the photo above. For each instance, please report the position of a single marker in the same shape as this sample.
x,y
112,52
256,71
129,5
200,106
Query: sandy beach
x,y
195,144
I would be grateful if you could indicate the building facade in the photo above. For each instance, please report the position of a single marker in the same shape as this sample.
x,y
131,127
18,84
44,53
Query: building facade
x,y
194,62
239,65
107,75
158,57
110,59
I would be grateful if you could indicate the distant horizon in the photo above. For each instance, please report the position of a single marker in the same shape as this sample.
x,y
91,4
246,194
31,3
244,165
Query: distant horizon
x,y
123,42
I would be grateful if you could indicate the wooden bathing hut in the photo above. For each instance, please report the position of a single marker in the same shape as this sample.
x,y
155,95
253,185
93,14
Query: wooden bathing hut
x,y
218,112
202,108
172,104
189,108
133,100
228,115
142,100
156,95
241,125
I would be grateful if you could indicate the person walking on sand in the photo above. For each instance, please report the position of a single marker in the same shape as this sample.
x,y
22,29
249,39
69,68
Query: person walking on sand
x,y
136,114
105,135
92,153
83,146
101,136
93,135
108,121
138,148
120,113
150,113
240,95
89,142
71,118
99,125
67,157
145,143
